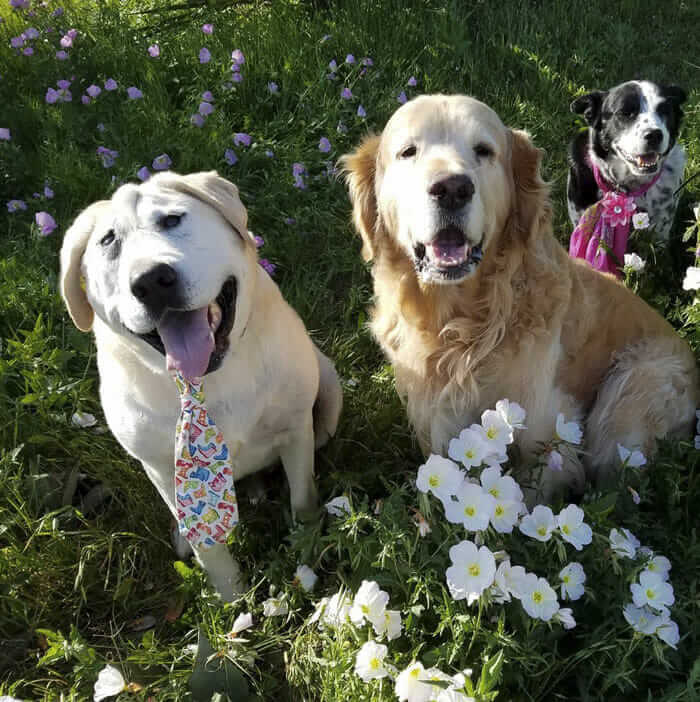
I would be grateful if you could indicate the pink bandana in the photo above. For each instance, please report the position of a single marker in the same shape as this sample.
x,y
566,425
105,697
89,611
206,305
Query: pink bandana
x,y
601,234
207,509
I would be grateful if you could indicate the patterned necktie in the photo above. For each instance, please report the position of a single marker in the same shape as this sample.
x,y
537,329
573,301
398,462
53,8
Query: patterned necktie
x,y
600,237
207,509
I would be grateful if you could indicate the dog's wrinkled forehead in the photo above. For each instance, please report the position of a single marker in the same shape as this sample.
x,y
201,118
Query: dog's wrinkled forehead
x,y
443,119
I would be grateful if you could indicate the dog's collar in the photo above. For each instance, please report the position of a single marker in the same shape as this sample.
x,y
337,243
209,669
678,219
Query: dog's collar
x,y
606,187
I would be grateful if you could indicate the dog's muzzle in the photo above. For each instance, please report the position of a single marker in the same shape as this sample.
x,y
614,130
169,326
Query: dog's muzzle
x,y
447,258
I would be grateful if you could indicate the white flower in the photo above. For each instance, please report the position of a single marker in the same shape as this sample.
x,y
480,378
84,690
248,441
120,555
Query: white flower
x,y
624,543
696,212
338,506
469,448
433,675
275,607
634,262
83,419
667,631
109,683
440,476
409,686
333,611
652,590
565,617
508,581
452,695
305,577
421,522
572,527
512,413
505,515
692,278
509,499
540,524
572,578
659,565
538,598
242,621
641,619
635,495
369,663
473,508
471,572
369,603
389,623
631,459
640,220
497,433
555,461
568,431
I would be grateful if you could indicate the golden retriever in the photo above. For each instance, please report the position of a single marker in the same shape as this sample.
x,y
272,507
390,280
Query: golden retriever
x,y
477,301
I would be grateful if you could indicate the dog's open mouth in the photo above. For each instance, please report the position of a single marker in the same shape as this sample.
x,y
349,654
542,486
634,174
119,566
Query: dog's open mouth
x,y
448,257
646,163
194,342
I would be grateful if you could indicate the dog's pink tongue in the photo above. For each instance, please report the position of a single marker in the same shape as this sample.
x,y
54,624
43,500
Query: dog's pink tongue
x,y
188,341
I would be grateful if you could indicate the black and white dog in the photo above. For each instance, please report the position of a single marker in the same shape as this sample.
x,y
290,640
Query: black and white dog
x,y
631,136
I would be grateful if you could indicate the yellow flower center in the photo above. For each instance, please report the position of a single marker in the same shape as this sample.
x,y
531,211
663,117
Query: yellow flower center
x,y
537,596
374,663
566,529
469,511
650,593
541,530
499,511
491,432
365,609
474,569
565,579
469,453
415,673
495,492
434,481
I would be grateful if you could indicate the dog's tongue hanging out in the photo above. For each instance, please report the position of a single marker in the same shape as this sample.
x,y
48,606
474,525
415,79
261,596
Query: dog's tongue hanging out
x,y
188,341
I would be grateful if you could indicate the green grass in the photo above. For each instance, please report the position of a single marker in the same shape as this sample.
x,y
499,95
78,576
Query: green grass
x,y
83,574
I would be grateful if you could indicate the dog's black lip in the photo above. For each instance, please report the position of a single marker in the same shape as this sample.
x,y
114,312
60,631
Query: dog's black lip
x,y
455,272
226,299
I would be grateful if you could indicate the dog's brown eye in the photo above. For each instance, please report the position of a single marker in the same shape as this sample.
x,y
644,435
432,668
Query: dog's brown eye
x,y
170,221
483,151
108,238
408,152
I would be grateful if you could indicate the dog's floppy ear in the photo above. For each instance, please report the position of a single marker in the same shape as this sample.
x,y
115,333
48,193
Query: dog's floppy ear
x,y
531,204
589,105
72,250
674,93
211,188
360,170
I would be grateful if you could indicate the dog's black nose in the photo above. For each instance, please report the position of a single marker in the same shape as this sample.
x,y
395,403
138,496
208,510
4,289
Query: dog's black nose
x,y
653,138
154,285
452,192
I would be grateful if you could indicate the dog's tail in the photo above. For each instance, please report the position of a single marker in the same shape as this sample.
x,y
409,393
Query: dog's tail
x,y
329,401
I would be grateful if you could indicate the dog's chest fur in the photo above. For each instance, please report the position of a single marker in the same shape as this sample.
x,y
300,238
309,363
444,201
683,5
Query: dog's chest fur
x,y
659,202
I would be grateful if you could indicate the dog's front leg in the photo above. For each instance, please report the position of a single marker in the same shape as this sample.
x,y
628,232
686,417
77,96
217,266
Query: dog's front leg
x,y
222,570
298,461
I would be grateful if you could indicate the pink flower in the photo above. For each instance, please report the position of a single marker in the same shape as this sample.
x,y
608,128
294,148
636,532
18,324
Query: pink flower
x,y
269,267
242,139
346,94
208,28
154,51
259,241
17,42
237,77
93,90
230,157
207,96
162,162
143,173
51,96
45,222
204,55
133,92
555,461
402,97
28,51
31,33
197,120
63,84
66,42
618,208
72,33
85,100
350,59
108,156
412,82
62,55
110,84
298,169
237,56
205,108
5,134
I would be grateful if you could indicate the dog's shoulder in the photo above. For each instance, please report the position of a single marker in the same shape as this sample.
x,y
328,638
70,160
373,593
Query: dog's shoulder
x,y
582,190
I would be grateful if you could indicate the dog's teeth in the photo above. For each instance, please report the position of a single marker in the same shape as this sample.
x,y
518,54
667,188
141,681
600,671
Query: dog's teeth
x,y
215,316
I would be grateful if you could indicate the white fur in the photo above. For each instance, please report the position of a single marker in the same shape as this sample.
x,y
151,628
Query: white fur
x,y
262,395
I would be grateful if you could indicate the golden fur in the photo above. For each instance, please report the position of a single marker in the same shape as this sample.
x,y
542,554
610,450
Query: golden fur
x,y
530,324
